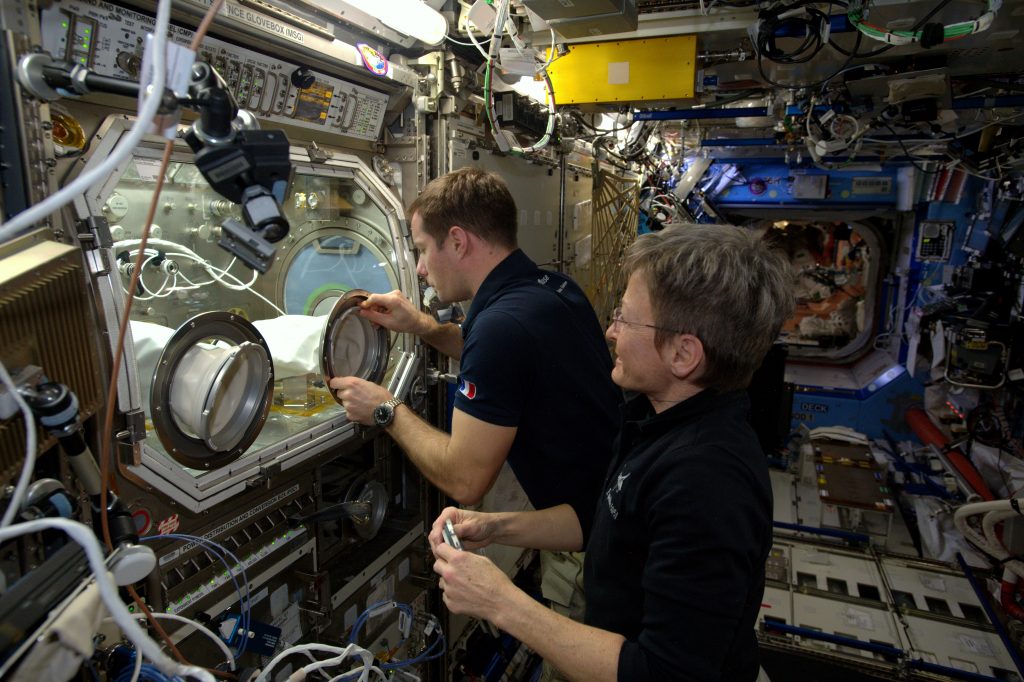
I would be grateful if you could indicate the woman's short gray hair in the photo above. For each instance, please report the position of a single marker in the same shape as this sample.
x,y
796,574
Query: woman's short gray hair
x,y
722,284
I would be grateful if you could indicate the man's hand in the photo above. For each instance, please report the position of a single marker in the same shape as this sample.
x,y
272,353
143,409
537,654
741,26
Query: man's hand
x,y
395,312
359,397
474,529
472,584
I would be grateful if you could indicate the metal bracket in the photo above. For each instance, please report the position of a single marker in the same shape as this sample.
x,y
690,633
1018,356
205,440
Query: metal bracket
x,y
435,376
317,155
406,233
249,246
135,425
94,233
266,472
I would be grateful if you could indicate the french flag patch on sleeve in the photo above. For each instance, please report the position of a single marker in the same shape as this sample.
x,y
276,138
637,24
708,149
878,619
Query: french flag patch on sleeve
x,y
467,388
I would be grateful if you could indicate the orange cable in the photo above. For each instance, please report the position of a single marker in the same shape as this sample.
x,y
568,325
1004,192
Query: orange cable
x,y
108,423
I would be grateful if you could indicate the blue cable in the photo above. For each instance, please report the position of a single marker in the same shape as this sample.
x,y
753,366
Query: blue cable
x,y
435,650
212,547
428,655
147,673
245,608
365,616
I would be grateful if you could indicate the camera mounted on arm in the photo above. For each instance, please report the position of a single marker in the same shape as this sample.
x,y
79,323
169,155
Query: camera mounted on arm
x,y
246,165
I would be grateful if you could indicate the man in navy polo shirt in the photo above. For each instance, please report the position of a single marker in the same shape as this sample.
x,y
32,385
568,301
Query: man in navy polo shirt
x,y
534,379
675,561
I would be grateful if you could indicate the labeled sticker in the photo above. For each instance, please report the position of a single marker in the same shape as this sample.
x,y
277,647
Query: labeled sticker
x,y
374,61
973,645
168,525
142,520
859,619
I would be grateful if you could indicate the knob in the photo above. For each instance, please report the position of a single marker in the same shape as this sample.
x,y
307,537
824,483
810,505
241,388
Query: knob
x,y
303,78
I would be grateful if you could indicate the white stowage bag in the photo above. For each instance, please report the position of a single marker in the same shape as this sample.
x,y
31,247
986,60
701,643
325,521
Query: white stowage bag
x,y
149,340
61,648
940,539
294,342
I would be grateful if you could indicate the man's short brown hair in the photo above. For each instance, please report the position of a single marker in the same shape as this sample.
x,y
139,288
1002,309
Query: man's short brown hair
x,y
475,200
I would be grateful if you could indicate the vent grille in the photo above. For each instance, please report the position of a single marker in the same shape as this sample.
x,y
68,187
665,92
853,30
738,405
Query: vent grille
x,y
45,320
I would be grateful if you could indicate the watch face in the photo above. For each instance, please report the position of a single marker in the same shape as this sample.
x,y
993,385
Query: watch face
x,y
383,414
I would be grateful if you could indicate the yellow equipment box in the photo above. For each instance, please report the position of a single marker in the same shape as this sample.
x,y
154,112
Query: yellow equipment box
x,y
626,71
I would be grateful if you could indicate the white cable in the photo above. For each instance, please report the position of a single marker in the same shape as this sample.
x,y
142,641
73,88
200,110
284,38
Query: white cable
x,y
349,650
158,293
211,269
502,16
172,288
14,504
127,144
137,669
362,678
988,525
473,40
242,286
989,521
84,536
552,51
191,284
991,546
154,294
301,648
229,657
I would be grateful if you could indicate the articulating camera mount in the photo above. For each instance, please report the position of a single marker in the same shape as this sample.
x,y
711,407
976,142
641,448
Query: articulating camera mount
x,y
244,164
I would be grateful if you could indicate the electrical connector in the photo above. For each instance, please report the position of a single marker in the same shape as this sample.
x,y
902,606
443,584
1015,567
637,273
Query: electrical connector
x,y
404,624
28,375
381,608
482,15
824,147
506,140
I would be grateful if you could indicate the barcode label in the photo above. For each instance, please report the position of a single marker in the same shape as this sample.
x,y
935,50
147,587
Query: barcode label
x,y
872,186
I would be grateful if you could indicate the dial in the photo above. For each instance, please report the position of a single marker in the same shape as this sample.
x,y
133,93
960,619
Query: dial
x,y
116,206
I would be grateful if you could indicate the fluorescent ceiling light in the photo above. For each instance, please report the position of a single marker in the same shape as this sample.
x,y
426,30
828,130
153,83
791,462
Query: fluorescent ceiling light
x,y
409,17
534,89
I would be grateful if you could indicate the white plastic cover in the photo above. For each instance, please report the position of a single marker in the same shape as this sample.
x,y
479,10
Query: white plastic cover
x,y
294,342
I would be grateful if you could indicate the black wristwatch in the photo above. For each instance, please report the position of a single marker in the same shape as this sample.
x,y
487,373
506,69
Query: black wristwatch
x,y
384,413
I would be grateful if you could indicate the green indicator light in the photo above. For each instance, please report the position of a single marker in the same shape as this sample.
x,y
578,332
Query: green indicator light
x,y
63,24
85,46
87,31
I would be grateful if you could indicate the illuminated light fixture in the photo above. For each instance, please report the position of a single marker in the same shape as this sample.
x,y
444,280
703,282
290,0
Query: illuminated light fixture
x,y
408,17
527,86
